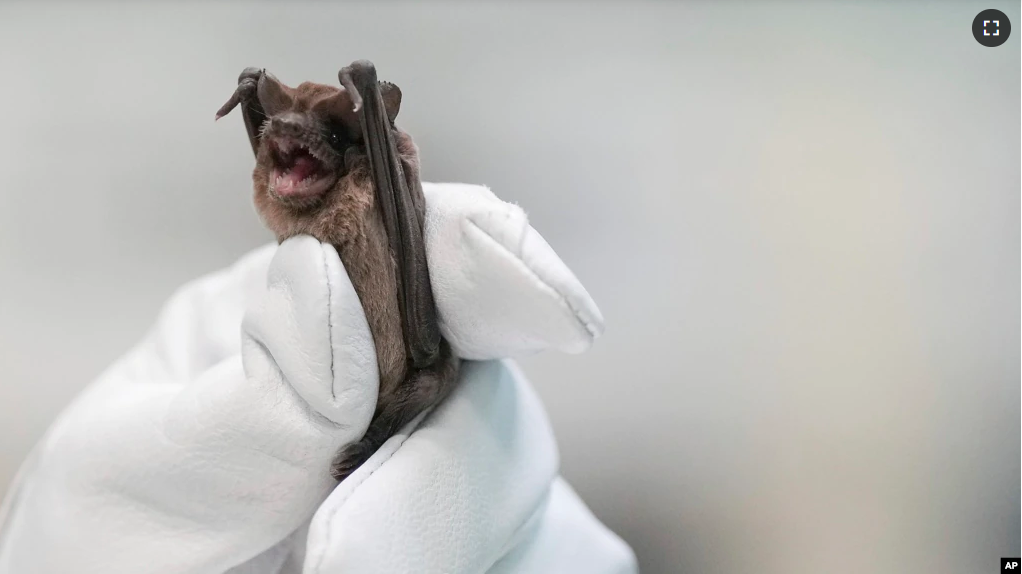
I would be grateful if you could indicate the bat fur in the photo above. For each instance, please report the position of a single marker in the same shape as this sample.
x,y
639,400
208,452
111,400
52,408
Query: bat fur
x,y
346,214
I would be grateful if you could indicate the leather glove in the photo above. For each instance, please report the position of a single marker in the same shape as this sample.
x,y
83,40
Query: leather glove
x,y
207,447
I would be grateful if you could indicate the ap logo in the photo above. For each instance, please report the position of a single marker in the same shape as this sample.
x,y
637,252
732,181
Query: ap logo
x,y
1011,564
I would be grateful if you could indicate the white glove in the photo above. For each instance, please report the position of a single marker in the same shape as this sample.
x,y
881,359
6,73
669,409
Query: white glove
x,y
204,452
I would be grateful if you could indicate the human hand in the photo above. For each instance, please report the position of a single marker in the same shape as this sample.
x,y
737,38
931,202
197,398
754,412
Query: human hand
x,y
205,451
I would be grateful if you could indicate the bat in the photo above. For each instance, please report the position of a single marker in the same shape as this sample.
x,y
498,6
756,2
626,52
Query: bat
x,y
330,163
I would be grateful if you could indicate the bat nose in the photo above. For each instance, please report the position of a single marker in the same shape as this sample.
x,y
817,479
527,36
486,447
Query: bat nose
x,y
288,123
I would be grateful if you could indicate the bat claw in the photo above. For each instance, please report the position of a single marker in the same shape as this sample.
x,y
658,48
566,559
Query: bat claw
x,y
248,84
359,74
344,76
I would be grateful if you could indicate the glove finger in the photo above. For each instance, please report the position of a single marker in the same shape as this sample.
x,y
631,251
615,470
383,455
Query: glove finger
x,y
564,536
482,463
198,326
203,476
312,324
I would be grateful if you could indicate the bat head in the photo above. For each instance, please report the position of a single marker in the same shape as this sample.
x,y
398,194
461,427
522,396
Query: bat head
x,y
303,136
326,157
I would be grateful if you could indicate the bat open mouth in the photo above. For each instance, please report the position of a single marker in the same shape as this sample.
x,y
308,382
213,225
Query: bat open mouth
x,y
297,171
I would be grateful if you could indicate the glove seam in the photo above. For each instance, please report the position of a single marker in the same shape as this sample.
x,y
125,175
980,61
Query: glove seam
x,y
287,383
586,326
337,509
329,322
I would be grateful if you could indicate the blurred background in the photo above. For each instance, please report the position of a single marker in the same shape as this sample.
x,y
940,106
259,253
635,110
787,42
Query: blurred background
x,y
801,222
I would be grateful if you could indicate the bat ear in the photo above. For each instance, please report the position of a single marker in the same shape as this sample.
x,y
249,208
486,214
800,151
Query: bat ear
x,y
273,95
339,105
391,99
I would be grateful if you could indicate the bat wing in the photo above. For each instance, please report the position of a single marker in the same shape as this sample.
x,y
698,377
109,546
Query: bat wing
x,y
398,207
256,86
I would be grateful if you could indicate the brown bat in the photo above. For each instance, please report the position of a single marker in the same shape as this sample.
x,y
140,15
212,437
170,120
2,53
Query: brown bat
x,y
330,163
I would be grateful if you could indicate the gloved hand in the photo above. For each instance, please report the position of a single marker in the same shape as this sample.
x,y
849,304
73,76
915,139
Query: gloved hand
x,y
207,448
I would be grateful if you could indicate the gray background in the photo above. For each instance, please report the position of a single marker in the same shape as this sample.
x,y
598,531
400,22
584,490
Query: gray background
x,y
801,222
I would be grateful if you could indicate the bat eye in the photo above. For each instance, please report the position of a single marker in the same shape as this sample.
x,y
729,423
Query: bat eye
x,y
335,140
